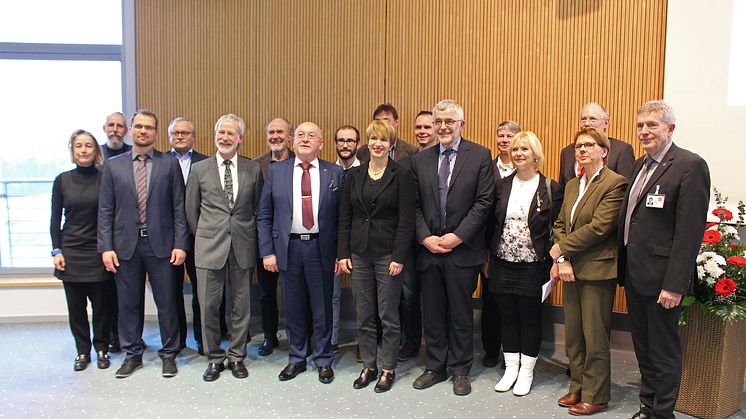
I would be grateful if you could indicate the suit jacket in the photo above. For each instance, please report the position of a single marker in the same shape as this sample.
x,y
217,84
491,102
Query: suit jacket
x,y
383,226
541,214
117,207
664,242
468,206
621,159
403,150
109,153
217,227
590,239
265,159
274,218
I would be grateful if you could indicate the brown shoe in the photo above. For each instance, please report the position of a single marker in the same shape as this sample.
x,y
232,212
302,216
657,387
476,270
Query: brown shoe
x,y
569,399
583,409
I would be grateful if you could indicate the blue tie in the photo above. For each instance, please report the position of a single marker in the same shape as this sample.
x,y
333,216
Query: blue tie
x,y
443,173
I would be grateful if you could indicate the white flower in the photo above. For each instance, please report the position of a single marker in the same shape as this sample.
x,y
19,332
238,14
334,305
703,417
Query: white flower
x,y
700,272
712,268
719,260
730,232
710,281
707,255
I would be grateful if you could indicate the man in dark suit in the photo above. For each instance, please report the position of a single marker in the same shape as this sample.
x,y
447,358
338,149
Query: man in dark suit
x,y
659,241
142,229
115,128
621,156
455,184
181,137
279,133
297,224
400,149
221,203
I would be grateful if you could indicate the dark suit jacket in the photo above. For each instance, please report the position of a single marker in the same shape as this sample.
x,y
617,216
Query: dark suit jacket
x,y
590,240
117,207
384,226
621,159
541,215
265,159
498,175
663,242
403,150
468,206
109,153
217,227
274,219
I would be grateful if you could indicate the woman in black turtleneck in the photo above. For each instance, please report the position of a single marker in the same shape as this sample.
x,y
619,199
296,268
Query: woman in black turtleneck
x,y
76,260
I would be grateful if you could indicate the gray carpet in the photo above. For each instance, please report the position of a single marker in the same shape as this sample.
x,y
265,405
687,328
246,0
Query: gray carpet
x,y
38,381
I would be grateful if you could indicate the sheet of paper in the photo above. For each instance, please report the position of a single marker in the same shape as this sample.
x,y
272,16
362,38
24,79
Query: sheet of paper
x,y
546,289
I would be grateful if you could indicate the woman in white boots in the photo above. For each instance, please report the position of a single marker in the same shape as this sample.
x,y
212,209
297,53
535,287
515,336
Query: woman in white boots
x,y
526,206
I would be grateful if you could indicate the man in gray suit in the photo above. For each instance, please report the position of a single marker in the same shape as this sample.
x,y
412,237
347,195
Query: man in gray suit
x,y
222,198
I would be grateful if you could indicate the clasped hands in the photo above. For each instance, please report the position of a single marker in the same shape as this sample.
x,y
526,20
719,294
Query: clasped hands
x,y
441,244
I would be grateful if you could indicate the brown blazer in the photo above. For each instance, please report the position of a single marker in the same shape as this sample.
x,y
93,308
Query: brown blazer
x,y
590,240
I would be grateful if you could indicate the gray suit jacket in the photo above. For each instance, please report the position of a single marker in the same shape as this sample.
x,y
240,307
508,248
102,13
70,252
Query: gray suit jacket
x,y
215,226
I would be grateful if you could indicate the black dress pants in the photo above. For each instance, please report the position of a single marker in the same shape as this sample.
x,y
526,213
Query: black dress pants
x,y
267,296
490,320
101,294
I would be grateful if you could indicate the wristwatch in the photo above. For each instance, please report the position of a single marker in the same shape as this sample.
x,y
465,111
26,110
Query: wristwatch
x,y
560,259
56,252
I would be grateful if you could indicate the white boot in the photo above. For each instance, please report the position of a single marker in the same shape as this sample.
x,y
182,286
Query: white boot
x,y
525,375
511,372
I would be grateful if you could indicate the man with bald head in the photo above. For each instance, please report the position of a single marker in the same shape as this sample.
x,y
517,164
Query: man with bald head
x,y
621,155
297,229
115,128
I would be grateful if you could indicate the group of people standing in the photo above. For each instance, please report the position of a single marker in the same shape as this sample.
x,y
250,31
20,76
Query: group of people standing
x,y
413,227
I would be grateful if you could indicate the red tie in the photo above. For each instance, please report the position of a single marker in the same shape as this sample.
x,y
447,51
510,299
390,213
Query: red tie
x,y
581,170
306,196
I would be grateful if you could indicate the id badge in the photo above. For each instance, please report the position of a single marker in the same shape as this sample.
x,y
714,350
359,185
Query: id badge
x,y
655,200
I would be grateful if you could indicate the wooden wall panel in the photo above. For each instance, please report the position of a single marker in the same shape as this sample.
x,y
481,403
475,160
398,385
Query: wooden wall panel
x,y
333,61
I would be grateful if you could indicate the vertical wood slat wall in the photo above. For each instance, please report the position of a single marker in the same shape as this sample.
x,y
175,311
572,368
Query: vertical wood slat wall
x,y
533,61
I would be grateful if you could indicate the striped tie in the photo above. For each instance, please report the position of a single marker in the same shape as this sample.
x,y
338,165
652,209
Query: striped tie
x,y
443,173
141,186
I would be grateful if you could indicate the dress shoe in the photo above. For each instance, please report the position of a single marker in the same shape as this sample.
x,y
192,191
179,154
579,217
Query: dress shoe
x,y
169,368
367,376
358,356
238,369
643,413
81,362
428,379
385,381
213,370
569,399
267,347
407,352
326,374
490,360
128,367
583,409
461,385
103,360
291,370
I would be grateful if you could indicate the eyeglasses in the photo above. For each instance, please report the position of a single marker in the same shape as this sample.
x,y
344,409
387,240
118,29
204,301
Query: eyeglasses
x,y
310,135
448,122
143,127
341,141
587,146
181,133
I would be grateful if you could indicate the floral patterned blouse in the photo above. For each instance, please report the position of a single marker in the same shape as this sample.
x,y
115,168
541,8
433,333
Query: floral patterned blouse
x,y
516,245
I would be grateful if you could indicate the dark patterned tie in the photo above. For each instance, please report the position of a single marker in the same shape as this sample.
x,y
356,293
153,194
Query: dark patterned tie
x,y
228,181
141,187
634,194
443,173
306,196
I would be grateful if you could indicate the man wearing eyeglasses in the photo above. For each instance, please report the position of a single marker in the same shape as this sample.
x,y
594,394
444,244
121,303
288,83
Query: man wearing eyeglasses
x,y
621,155
455,183
142,230
400,149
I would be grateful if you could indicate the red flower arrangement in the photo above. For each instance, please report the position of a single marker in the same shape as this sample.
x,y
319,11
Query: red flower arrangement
x,y
737,260
723,214
712,237
725,286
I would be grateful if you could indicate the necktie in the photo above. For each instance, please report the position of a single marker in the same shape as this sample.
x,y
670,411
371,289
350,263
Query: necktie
x,y
228,182
634,194
443,173
306,197
141,187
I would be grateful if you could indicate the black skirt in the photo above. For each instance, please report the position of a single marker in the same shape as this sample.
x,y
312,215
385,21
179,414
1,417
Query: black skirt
x,y
82,264
517,278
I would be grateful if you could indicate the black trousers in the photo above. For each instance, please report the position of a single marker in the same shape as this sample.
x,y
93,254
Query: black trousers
x,y
101,294
490,321
655,336
267,296
447,314
520,323
411,307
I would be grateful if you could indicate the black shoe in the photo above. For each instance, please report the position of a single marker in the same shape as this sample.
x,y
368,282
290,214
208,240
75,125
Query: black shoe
x,y
643,413
291,370
200,349
407,352
238,368
490,360
461,385
428,379
213,370
128,367
103,360
81,362
385,382
367,376
326,374
169,368
267,347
